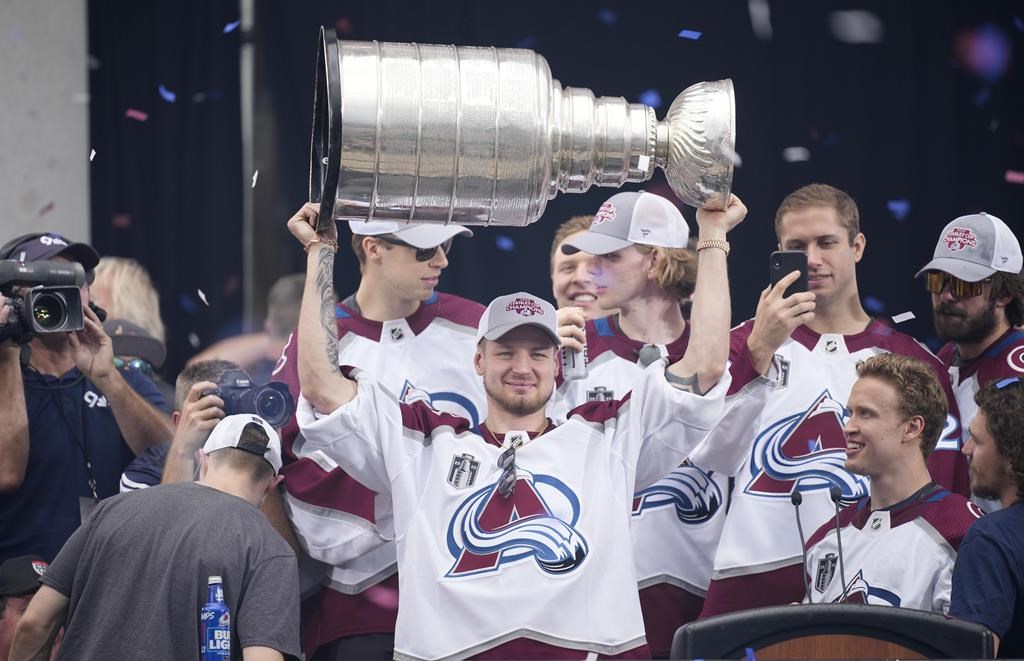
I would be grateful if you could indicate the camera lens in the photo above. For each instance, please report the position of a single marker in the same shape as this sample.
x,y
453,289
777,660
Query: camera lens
x,y
49,311
270,405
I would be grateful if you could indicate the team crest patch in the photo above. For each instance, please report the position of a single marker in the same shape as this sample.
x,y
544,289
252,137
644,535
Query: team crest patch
x,y
524,307
960,238
462,473
39,567
600,394
1015,359
605,214
826,570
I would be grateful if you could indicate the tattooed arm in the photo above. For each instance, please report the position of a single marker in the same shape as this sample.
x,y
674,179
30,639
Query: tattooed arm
x,y
321,382
706,355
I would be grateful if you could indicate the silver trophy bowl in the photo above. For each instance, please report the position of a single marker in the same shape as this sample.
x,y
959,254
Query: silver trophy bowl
x,y
484,136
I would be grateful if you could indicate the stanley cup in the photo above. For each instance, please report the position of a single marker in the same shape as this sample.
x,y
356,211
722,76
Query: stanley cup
x,y
485,136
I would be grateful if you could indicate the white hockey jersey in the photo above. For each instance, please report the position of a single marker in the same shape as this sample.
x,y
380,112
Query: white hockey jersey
x,y
901,556
425,357
552,562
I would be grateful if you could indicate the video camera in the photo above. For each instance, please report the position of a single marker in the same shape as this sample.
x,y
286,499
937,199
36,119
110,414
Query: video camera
x,y
272,402
52,302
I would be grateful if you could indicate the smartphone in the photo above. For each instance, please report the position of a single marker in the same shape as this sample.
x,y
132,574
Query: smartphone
x,y
784,262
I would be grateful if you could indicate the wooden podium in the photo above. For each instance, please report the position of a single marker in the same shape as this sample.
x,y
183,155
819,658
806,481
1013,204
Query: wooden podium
x,y
832,631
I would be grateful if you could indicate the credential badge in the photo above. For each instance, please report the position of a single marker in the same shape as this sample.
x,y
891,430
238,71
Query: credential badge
x,y
462,473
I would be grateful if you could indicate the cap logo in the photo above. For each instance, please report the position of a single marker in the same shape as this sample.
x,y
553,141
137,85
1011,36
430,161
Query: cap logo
x,y
39,567
47,240
605,214
524,307
960,238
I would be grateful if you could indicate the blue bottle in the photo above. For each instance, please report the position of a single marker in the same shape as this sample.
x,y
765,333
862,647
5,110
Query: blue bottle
x,y
215,623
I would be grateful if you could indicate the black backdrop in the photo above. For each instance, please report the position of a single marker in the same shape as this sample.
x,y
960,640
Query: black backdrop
x,y
905,121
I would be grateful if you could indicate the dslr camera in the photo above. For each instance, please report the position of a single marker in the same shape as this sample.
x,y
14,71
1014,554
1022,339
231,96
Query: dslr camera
x,y
271,402
50,300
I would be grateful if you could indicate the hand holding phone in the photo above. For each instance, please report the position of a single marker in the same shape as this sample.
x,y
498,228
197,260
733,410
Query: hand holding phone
x,y
784,262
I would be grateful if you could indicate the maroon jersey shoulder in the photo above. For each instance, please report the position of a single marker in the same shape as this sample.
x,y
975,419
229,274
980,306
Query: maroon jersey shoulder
x,y
951,515
599,412
418,416
458,310
1002,360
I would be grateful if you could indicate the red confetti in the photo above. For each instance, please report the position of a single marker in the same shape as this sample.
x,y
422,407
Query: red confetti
x,y
343,25
1014,177
121,220
137,115
48,208
231,285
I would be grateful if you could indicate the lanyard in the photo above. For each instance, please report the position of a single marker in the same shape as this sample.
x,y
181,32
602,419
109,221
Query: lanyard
x,y
79,434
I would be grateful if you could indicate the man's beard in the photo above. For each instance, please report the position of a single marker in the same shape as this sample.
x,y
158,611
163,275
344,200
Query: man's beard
x,y
519,406
962,328
982,490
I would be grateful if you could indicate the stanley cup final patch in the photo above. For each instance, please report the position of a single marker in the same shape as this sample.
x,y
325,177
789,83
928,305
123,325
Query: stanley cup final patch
x,y
826,569
462,473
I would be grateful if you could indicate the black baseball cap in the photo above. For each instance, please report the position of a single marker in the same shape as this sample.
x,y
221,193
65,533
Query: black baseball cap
x,y
50,245
20,575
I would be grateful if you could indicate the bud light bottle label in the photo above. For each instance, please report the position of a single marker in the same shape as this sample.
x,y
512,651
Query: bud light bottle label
x,y
215,624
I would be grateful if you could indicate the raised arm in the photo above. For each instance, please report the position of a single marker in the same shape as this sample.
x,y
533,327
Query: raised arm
x,y
320,379
14,436
706,355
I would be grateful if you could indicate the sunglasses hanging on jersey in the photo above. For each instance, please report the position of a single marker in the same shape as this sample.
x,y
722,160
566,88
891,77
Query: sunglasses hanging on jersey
x,y
422,254
936,281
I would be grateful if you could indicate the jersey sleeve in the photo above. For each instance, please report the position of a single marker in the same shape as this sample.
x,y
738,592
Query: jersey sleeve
x,y
660,425
983,583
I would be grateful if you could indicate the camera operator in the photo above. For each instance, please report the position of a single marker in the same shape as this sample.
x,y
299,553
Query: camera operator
x,y
72,420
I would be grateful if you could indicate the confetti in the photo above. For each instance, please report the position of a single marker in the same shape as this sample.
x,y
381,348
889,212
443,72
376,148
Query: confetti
x,y
856,26
121,220
1019,22
383,596
343,25
985,51
202,297
874,305
898,208
137,115
1014,177
651,98
231,285
199,97
994,125
796,154
733,156
231,27
905,316
168,95
643,161
760,19
607,16
527,42
693,35
750,654
254,175
47,208
193,339
92,155
187,303
505,243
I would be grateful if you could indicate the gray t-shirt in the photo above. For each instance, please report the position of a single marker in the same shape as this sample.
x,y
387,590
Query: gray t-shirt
x,y
136,574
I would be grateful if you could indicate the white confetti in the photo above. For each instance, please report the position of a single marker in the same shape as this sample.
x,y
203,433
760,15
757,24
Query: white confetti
x,y
856,26
642,161
900,318
193,339
733,156
795,154
760,19
254,175
202,297
92,155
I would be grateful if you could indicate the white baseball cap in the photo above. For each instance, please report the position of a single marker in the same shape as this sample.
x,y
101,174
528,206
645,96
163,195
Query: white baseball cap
x,y
515,310
418,235
630,218
228,434
974,247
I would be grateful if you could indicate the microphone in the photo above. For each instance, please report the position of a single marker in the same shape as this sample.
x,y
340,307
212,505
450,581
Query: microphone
x,y
797,498
836,495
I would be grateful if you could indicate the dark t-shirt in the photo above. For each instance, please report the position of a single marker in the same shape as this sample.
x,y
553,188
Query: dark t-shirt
x,y
136,574
988,580
68,420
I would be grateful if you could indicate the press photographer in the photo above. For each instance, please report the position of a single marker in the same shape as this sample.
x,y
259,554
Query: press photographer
x,y
72,421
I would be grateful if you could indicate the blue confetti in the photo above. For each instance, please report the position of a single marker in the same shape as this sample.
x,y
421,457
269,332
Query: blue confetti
x,y
1019,22
527,42
898,208
187,303
168,95
874,305
651,98
505,243
231,27
607,16
750,654
690,34
981,98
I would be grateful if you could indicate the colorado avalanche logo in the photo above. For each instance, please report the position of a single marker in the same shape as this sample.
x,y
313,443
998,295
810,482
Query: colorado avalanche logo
x,y
537,523
695,496
605,214
805,451
859,591
960,238
447,401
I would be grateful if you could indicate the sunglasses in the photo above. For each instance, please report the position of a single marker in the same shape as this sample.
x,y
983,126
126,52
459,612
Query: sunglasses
x,y
422,254
936,281
137,363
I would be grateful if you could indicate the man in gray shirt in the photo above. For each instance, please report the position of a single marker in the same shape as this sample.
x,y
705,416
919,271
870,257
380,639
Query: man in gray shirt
x,y
131,581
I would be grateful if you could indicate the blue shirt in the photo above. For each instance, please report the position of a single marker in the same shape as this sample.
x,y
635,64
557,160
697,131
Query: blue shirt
x,y
68,420
988,580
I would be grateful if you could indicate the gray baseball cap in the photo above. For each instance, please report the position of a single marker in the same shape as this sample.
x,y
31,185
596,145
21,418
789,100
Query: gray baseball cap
x,y
418,235
974,247
515,310
631,218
